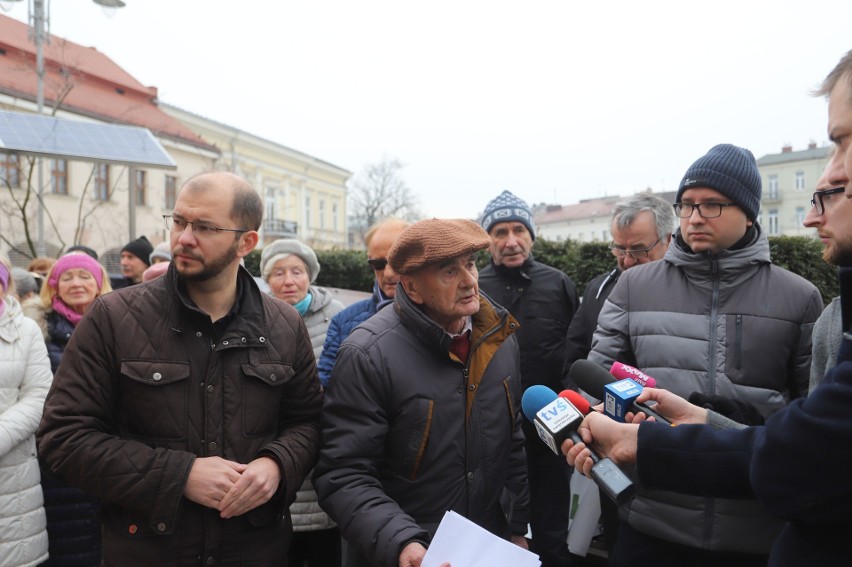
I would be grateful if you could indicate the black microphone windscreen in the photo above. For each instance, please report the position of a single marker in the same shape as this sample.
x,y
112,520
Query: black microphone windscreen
x,y
590,377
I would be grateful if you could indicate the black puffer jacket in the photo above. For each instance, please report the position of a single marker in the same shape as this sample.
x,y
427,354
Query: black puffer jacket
x,y
399,450
148,383
543,300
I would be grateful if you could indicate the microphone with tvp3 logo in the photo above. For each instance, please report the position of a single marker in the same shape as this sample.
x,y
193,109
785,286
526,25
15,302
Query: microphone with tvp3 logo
x,y
618,395
555,420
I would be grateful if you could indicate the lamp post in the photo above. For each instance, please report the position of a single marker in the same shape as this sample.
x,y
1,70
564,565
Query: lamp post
x,y
39,14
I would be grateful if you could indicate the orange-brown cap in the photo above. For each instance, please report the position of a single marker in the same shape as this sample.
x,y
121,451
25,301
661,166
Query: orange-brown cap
x,y
433,240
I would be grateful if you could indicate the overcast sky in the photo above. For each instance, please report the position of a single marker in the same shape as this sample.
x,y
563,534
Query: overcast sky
x,y
556,101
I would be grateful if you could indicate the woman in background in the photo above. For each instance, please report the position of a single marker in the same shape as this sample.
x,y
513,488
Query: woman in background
x,y
72,284
289,267
24,381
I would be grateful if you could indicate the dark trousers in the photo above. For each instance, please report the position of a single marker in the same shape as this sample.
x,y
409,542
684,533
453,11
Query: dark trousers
x,y
550,497
635,548
319,548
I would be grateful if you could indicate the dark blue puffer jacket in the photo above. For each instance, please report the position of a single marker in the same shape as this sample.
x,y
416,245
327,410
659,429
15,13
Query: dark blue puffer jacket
x,y
342,325
73,526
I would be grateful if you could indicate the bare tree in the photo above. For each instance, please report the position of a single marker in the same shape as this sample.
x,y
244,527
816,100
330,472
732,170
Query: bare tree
x,y
21,208
378,192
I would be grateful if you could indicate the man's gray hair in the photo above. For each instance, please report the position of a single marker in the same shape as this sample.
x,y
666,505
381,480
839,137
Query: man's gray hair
x,y
625,212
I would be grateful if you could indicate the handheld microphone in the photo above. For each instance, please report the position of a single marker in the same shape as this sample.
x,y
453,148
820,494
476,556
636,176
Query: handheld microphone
x,y
622,371
556,419
594,380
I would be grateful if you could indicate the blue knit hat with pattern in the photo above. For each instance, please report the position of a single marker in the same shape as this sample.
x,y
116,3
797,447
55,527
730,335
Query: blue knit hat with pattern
x,y
731,171
506,207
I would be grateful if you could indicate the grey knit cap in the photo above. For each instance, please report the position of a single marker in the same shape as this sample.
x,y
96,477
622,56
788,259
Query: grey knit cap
x,y
730,170
284,247
506,207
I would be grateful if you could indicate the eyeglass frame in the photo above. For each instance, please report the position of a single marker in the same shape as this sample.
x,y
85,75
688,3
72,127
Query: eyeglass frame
x,y
818,197
697,207
170,219
622,252
377,264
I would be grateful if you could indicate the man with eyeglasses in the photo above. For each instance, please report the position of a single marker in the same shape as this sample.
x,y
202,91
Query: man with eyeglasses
x,y
379,239
797,464
190,404
641,230
717,319
831,216
543,300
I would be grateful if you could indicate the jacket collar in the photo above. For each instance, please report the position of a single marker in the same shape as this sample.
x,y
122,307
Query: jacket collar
x,y
10,320
246,319
523,270
427,331
752,249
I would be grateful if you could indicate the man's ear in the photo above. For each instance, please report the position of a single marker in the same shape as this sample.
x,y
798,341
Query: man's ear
x,y
411,288
248,241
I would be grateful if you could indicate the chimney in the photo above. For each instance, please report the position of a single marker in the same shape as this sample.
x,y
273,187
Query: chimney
x,y
786,149
812,145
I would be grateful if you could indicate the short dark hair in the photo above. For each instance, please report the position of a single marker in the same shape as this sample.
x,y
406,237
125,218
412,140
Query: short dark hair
x,y
247,207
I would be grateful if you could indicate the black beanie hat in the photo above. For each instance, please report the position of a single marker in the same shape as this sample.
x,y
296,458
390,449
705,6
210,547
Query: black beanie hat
x,y
141,248
730,170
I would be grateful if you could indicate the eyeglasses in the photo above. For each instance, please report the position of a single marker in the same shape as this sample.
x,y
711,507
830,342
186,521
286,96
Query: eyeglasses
x,y
635,253
705,210
378,264
199,229
820,198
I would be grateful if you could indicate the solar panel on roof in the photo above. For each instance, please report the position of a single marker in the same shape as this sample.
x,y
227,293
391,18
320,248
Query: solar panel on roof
x,y
88,141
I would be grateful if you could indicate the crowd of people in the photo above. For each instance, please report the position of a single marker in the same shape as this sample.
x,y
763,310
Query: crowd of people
x,y
178,415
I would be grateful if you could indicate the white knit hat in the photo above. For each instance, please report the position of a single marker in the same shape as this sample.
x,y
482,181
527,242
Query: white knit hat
x,y
284,247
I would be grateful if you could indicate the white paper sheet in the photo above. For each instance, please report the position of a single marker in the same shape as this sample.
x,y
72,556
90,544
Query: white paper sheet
x,y
461,543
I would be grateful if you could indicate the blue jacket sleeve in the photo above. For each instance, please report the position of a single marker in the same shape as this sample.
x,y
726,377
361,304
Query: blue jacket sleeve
x,y
333,338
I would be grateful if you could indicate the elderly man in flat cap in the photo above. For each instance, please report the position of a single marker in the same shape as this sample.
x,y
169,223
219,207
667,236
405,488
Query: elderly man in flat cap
x,y
423,411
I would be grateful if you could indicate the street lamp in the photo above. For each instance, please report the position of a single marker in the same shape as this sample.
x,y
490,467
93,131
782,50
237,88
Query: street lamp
x,y
39,18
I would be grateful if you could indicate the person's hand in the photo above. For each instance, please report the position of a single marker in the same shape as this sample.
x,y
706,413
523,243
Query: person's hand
x,y
412,555
521,541
210,479
669,405
608,437
256,486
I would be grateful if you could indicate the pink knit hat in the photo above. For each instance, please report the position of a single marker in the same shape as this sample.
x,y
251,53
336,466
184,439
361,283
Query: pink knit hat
x,y
76,261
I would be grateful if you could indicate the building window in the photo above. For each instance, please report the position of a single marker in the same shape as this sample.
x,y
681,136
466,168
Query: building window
x,y
800,216
334,217
171,191
307,212
772,228
140,187
59,176
322,214
604,235
101,182
10,170
800,181
772,189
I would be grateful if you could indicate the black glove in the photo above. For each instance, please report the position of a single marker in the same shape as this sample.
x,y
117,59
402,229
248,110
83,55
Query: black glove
x,y
739,411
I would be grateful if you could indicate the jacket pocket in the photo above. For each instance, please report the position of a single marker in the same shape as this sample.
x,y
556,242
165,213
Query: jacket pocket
x,y
153,398
409,436
262,386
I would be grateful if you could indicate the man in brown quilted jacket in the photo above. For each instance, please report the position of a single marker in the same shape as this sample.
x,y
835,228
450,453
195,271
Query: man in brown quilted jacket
x,y
189,404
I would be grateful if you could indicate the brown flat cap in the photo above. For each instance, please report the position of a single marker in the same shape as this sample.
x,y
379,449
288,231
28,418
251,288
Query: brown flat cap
x,y
433,240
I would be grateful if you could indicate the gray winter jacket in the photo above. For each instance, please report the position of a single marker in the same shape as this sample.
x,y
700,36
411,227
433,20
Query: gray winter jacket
x,y
305,511
732,325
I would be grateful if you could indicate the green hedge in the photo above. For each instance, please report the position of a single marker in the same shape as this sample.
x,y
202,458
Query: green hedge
x,y
581,261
